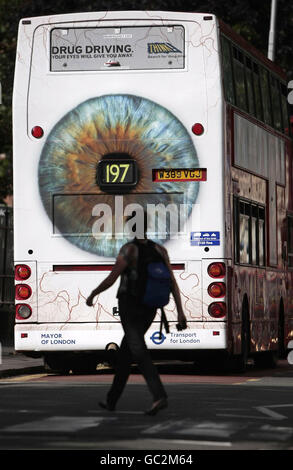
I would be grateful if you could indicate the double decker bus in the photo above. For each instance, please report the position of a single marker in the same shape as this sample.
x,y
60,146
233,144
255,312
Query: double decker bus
x,y
167,113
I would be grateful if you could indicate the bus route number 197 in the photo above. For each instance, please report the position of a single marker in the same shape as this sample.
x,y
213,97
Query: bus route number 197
x,y
117,172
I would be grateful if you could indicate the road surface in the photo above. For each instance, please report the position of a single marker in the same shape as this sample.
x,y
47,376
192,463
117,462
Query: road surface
x,y
206,412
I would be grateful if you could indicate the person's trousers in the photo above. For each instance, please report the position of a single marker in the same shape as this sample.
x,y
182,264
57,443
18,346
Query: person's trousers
x,y
136,320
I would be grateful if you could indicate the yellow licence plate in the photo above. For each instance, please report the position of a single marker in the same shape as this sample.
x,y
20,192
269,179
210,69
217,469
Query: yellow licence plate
x,y
180,174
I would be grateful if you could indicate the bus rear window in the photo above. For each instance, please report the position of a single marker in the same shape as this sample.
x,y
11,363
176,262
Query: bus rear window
x,y
290,241
249,234
124,48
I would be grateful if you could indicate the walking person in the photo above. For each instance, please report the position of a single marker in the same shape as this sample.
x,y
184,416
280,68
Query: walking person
x,y
136,318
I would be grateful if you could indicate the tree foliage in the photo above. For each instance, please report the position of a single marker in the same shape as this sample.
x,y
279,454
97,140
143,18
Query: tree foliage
x,y
250,18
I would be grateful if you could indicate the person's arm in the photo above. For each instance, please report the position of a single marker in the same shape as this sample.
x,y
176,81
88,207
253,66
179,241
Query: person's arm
x,y
177,297
118,268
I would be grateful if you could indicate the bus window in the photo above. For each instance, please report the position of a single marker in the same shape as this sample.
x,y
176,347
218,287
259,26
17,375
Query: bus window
x,y
249,83
238,68
285,114
257,94
276,103
227,70
249,226
244,233
290,242
261,236
236,228
266,100
254,235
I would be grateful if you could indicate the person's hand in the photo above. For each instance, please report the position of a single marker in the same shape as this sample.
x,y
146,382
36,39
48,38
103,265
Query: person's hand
x,y
89,301
182,322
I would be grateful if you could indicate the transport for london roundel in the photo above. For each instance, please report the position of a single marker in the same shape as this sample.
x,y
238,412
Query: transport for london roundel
x,y
129,132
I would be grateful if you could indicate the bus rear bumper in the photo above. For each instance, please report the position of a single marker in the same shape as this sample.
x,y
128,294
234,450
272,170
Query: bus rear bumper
x,y
93,337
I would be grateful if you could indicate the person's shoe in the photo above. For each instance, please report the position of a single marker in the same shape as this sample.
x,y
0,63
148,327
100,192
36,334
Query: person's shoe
x,y
107,406
157,406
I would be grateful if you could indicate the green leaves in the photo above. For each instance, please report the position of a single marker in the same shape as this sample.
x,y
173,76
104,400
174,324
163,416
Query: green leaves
x,y
250,18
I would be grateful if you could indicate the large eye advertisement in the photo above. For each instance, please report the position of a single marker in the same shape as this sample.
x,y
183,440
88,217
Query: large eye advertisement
x,y
96,166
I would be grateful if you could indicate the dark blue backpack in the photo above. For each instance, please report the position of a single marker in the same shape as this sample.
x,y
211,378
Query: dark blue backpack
x,y
154,279
158,285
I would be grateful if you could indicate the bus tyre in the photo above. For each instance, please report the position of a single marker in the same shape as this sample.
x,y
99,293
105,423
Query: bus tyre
x,y
207,366
57,363
266,359
84,364
213,362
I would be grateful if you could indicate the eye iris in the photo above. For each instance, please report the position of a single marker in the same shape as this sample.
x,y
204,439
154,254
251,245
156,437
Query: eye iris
x,y
121,125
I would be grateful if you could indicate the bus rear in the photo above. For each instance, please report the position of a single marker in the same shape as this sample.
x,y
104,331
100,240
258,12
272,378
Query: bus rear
x,y
116,114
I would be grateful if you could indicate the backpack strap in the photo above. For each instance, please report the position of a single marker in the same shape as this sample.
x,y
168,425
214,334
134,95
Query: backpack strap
x,y
141,269
164,322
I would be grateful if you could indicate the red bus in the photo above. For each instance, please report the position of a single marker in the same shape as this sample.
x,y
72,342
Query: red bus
x,y
170,94
258,199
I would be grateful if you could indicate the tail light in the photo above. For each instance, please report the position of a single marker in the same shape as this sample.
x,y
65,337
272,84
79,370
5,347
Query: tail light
x,y
197,129
22,272
23,311
22,291
217,309
217,289
217,270
37,132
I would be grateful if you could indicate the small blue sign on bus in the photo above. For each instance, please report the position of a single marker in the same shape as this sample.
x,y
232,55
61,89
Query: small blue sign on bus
x,y
204,238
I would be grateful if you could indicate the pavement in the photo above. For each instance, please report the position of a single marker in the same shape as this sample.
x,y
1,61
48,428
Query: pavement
x,y
14,363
